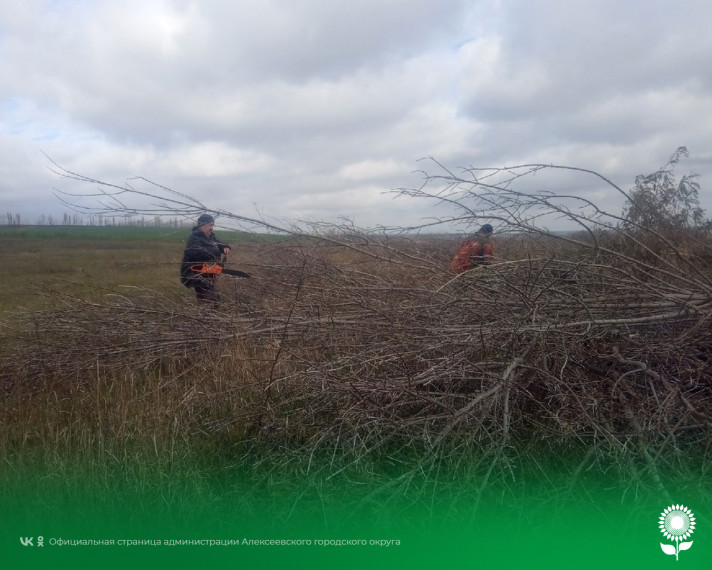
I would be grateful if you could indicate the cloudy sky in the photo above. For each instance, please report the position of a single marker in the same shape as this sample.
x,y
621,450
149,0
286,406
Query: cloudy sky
x,y
315,109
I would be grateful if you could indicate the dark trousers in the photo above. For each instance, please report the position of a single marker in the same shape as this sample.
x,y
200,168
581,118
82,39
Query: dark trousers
x,y
207,293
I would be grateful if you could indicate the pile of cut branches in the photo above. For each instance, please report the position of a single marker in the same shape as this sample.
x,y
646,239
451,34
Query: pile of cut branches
x,y
599,347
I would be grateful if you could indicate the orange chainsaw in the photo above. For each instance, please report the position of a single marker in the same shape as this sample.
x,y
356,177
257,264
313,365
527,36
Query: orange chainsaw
x,y
218,269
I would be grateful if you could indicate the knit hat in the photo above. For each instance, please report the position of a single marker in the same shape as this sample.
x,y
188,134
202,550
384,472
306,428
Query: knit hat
x,y
205,219
485,230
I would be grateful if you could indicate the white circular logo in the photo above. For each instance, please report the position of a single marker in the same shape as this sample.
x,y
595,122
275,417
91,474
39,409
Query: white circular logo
x,y
676,523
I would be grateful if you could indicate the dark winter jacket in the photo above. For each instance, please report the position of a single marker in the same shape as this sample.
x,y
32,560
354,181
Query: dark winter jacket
x,y
200,248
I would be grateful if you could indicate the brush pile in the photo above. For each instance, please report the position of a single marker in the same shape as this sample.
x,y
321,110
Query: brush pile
x,y
592,352
594,347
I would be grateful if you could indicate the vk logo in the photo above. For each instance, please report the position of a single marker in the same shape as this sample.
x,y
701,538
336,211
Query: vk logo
x,y
27,541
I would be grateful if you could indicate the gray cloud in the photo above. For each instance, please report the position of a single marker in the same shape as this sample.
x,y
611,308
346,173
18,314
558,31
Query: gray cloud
x,y
315,108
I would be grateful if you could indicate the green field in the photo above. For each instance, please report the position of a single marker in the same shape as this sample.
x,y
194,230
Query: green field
x,y
41,263
117,233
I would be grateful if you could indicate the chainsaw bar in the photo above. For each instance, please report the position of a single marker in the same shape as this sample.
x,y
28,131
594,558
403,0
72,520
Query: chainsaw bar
x,y
217,269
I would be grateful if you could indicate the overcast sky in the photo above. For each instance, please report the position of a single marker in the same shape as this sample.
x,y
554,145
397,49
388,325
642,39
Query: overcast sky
x,y
315,109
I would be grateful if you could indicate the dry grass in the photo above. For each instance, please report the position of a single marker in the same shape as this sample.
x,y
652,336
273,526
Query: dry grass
x,y
36,270
335,359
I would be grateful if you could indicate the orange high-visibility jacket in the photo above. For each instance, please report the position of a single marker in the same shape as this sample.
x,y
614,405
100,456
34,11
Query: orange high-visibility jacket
x,y
470,254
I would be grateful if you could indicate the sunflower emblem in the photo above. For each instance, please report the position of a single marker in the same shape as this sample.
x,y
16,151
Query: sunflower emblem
x,y
677,523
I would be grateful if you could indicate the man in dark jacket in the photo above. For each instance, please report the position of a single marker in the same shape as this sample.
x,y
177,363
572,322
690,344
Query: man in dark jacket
x,y
201,248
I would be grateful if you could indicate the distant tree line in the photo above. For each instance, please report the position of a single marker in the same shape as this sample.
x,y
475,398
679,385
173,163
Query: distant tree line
x,y
16,219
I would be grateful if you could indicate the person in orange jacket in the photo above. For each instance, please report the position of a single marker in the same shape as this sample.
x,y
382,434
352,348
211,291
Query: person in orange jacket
x,y
474,251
